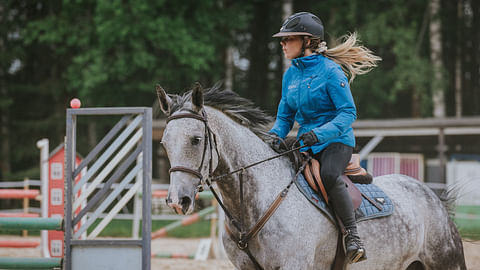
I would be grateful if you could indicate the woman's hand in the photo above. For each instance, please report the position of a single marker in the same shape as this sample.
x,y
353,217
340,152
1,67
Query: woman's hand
x,y
309,138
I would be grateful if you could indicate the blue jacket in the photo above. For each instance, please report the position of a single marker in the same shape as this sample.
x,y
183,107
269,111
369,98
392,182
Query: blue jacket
x,y
316,94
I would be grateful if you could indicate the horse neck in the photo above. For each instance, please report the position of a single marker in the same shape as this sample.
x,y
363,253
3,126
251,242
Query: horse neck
x,y
239,147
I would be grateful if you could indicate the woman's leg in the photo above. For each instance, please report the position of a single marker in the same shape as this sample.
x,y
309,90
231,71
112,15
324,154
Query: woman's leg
x,y
333,161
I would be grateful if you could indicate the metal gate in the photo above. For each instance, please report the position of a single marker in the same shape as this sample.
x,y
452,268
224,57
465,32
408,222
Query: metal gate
x,y
119,166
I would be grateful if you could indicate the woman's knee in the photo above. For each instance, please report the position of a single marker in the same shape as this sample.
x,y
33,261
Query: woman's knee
x,y
329,178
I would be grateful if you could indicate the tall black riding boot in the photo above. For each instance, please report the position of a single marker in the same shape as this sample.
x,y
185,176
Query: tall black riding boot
x,y
343,207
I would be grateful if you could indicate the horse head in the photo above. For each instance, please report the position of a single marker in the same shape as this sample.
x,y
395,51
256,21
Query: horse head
x,y
188,142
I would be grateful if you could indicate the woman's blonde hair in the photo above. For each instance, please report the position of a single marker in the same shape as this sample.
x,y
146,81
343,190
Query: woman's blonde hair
x,y
355,59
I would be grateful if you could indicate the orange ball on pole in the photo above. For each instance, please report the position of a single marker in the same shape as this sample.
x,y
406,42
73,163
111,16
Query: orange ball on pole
x,y
75,103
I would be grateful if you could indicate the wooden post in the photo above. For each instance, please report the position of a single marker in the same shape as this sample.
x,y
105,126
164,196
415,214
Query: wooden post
x,y
25,203
213,229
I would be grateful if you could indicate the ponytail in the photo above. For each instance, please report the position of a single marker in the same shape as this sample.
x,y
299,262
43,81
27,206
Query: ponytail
x,y
355,59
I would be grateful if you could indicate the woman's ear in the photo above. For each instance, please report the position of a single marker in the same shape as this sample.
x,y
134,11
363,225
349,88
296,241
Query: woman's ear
x,y
197,97
307,41
164,100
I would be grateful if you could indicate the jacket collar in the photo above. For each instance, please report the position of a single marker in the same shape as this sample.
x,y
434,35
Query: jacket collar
x,y
306,61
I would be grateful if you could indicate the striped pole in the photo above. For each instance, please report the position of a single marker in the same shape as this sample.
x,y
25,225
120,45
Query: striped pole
x,y
29,263
19,193
18,244
22,215
13,223
173,256
184,222
163,193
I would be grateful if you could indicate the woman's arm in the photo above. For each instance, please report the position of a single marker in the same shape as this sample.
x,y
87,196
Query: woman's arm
x,y
341,96
285,114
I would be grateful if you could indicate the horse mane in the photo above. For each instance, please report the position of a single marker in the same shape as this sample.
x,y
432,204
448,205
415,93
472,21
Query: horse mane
x,y
240,109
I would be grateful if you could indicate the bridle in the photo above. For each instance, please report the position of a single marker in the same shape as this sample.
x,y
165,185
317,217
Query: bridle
x,y
208,134
209,137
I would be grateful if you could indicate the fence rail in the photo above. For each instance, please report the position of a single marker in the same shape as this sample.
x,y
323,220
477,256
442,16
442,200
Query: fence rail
x,y
27,223
29,263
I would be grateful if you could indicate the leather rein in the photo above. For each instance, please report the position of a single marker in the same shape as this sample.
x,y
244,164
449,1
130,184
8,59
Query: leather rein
x,y
243,236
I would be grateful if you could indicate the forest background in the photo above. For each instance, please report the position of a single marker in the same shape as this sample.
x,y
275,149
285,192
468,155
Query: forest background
x,y
113,53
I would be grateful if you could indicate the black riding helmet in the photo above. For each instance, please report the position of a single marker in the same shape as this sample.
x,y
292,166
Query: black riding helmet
x,y
302,24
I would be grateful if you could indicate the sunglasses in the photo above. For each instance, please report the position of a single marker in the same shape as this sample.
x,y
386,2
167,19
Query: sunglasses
x,y
286,39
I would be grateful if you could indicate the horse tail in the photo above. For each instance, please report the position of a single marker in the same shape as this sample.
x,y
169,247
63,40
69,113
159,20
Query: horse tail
x,y
449,197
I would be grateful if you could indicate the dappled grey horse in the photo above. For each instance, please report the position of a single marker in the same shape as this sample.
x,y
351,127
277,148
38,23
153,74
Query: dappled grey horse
x,y
216,132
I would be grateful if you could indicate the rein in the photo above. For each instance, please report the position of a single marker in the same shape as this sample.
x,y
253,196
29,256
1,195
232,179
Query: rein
x,y
244,237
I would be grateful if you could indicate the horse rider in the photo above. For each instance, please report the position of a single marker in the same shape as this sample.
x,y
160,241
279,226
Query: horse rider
x,y
316,94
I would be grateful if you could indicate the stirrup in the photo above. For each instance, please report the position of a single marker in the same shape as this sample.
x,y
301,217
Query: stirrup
x,y
358,256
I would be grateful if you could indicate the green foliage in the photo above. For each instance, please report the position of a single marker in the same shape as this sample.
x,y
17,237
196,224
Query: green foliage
x,y
116,51
107,53
391,29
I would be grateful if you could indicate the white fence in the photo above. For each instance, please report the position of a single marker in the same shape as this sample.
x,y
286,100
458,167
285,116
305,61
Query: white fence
x,y
465,175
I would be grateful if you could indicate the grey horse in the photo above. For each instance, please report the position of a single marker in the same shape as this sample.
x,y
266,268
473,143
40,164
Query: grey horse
x,y
418,235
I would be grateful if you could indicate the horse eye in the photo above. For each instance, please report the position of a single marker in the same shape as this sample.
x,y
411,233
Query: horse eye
x,y
196,140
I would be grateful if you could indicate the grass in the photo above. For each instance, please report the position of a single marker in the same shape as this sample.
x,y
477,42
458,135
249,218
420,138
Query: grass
x,y
467,219
123,228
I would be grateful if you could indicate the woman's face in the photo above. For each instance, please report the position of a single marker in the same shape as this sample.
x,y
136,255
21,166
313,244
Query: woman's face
x,y
292,46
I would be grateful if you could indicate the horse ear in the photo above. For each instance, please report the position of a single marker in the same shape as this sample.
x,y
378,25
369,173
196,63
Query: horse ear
x,y
197,97
164,100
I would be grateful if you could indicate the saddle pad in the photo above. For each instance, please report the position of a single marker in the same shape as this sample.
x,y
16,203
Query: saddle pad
x,y
364,212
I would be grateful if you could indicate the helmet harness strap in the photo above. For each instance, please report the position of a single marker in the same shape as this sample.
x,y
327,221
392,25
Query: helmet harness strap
x,y
302,53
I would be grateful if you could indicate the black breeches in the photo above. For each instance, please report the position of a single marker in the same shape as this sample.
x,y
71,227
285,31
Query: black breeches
x,y
333,161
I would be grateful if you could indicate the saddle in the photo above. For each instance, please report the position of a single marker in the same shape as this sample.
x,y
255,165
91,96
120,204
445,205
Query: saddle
x,y
354,173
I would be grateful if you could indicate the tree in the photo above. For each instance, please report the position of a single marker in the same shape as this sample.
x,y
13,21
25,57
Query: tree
x,y
436,59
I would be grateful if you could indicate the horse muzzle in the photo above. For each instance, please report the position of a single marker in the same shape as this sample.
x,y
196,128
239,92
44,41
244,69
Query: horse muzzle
x,y
183,205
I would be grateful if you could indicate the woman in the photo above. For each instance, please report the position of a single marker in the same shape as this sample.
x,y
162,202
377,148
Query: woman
x,y
316,94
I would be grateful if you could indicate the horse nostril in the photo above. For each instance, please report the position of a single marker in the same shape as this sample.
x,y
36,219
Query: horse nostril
x,y
185,202
168,200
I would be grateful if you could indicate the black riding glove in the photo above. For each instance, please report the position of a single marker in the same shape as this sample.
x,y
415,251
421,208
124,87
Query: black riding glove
x,y
309,138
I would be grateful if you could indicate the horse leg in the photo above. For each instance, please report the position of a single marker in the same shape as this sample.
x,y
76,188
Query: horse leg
x,y
446,250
